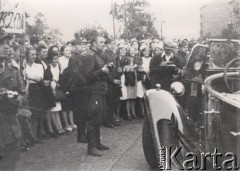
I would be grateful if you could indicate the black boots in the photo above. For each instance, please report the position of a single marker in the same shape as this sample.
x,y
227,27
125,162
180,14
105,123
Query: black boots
x,y
91,135
93,151
100,146
94,143
81,138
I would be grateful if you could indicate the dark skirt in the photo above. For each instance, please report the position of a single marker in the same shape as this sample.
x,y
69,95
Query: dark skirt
x,y
36,100
130,79
113,93
67,104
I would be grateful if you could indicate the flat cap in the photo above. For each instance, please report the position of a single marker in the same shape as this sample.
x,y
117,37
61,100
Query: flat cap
x,y
183,43
169,44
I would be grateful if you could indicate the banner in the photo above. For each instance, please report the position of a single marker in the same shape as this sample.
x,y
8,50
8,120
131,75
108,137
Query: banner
x,y
12,16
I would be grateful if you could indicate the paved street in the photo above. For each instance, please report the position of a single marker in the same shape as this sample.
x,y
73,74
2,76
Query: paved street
x,y
65,153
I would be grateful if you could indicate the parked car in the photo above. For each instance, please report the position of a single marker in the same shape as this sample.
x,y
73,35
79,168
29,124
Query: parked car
x,y
210,118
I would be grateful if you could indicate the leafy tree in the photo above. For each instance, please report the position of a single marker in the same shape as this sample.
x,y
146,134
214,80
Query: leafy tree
x,y
40,25
36,31
55,34
133,14
90,30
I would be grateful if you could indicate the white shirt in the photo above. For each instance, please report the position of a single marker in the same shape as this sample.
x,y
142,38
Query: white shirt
x,y
167,57
146,64
55,72
63,62
15,64
34,71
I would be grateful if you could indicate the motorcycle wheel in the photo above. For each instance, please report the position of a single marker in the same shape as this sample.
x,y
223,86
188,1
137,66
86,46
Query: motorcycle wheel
x,y
148,145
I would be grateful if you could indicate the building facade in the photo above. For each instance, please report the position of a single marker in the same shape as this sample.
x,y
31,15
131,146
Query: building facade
x,y
235,15
214,18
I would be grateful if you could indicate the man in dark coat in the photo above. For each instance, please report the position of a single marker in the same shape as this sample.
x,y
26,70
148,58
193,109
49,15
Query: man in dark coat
x,y
113,84
161,70
10,79
96,73
78,91
180,59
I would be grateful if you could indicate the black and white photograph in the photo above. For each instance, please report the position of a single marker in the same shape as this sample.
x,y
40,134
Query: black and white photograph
x,y
119,85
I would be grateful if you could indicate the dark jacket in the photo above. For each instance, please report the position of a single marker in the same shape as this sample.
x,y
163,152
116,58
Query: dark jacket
x,y
75,72
9,127
108,57
97,80
160,74
180,59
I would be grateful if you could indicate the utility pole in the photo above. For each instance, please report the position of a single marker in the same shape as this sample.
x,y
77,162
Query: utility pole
x,y
161,25
125,16
114,32
161,29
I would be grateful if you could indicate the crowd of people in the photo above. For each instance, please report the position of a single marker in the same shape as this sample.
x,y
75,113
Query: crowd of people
x,y
82,84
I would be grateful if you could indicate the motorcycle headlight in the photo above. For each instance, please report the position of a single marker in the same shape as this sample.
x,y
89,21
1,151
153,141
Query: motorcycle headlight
x,y
177,88
197,66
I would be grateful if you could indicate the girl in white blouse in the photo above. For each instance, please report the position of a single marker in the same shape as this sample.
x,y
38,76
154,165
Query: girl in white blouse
x,y
34,75
144,70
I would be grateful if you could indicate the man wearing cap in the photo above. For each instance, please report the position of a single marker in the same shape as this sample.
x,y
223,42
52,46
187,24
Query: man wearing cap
x,y
78,87
161,70
96,74
113,84
180,59
10,79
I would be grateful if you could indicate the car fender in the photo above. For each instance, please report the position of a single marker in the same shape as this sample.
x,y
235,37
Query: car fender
x,y
161,104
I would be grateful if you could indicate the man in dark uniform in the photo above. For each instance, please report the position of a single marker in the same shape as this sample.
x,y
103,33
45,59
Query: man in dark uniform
x,y
95,72
10,79
77,90
161,70
113,84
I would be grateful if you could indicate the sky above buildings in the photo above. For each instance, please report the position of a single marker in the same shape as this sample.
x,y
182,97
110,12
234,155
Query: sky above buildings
x,y
181,17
